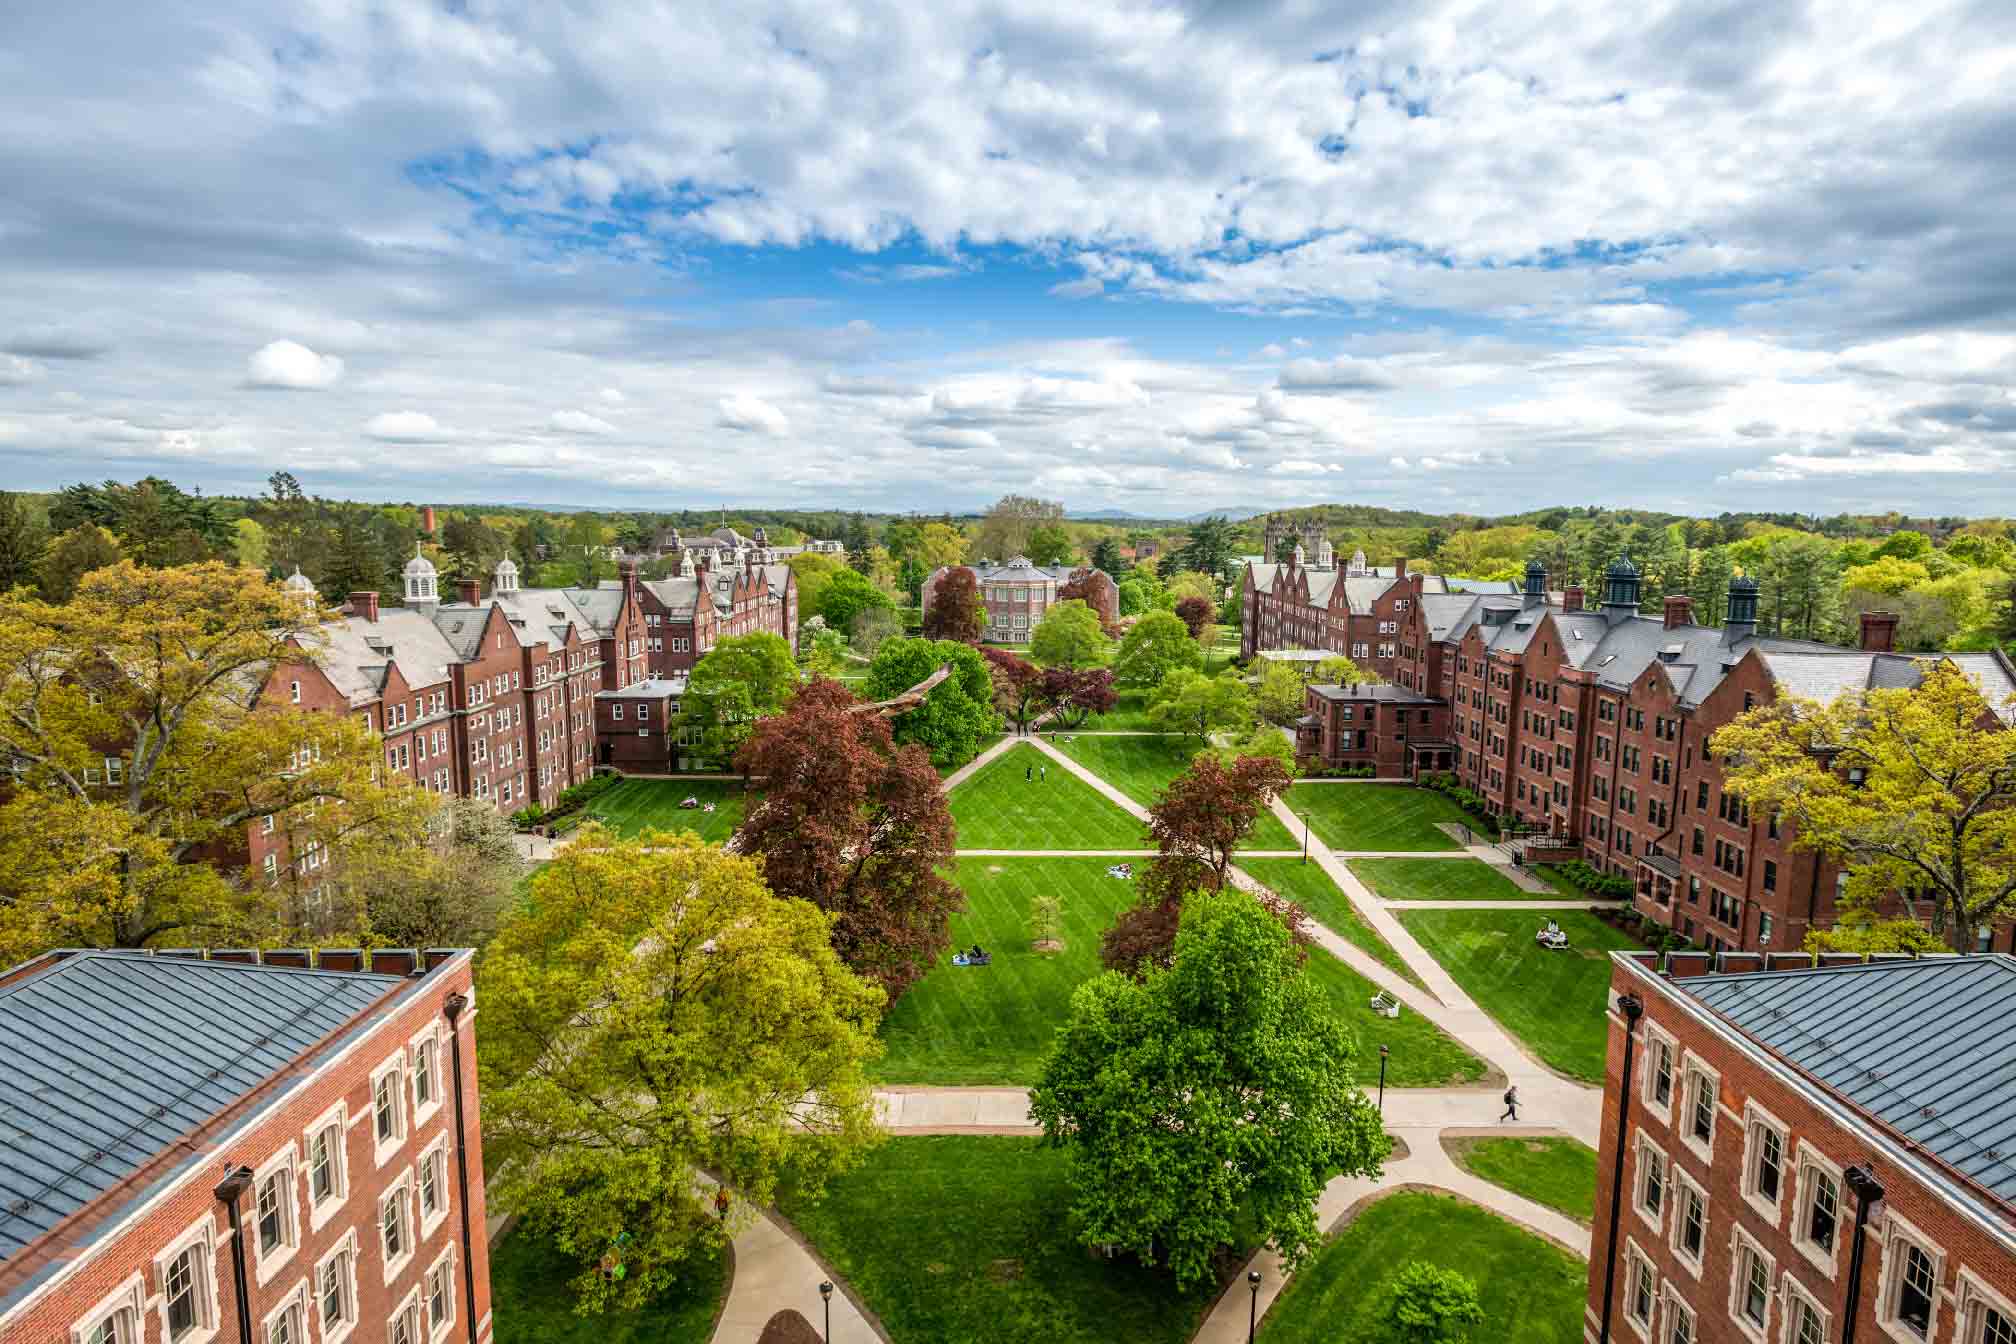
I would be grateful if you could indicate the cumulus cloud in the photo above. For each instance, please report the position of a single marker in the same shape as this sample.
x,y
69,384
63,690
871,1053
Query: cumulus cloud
x,y
754,415
18,369
1086,288
290,364
1342,374
955,440
579,422
404,427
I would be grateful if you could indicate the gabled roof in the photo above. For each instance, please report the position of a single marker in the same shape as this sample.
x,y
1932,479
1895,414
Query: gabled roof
x,y
1922,1046
1828,673
111,1057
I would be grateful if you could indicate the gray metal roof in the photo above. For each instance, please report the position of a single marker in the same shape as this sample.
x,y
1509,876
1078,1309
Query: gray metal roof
x,y
111,1057
1923,1046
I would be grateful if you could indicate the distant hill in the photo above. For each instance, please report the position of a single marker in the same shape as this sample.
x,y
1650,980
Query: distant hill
x,y
1234,513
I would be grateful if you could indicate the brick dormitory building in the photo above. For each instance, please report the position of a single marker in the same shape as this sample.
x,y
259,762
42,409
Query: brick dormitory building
x,y
1015,595
247,1148
1801,1154
1589,727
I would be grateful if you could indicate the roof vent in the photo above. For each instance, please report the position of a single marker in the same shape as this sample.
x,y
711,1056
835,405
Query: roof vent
x,y
1606,660
1670,653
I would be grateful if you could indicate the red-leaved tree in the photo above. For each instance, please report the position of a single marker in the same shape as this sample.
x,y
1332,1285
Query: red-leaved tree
x,y
858,827
956,611
1076,692
1196,612
1020,687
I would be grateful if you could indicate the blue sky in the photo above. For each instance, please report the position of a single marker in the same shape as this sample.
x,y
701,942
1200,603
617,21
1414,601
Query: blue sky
x,y
1694,256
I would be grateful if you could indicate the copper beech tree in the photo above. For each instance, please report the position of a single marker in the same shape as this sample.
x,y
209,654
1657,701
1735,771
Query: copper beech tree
x,y
956,611
857,826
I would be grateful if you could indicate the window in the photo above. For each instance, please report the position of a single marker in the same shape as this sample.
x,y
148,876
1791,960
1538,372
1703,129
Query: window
x,y
1767,1157
285,1326
335,1293
388,1108
433,1182
1701,1108
406,1325
1680,1322
1803,1322
1822,1210
1753,1286
1641,1290
441,1296
1917,1290
115,1327
325,1164
426,1092
1651,1182
273,1211
1690,1223
1997,1327
395,1230
115,1319
186,1306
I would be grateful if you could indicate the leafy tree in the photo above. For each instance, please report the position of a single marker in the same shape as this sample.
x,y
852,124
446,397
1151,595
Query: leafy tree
x,y
148,670
1211,547
1262,739
940,544
358,558
1337,670
1156,1088
1050,544
1909,788
248,543
83,549
871,627
1106,555
1190,583
1005,529
1019,690
858,538
1427,1304
1069,635
653,1013
956,611
1196,613
859,827
24,538
738,681
814,570
1861,931
956,712
452,890
846,595
1076,692
822,651
1281,695
155,521
1906,546
1188,701
1160,643
1138,593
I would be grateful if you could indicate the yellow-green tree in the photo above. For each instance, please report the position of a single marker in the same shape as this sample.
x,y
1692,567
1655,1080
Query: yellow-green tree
x,y
1911,789
142,749
655,1013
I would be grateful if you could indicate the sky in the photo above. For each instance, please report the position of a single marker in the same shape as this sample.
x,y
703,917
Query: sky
x,y
1701,256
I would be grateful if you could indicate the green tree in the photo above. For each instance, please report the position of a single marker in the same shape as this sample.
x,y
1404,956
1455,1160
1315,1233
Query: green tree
x,y
451,890
1281,694
738,681
1189,583
1861,931
1139,592
1159,644
655,1012
1427,1304
1152,1086
249,544
1069,635
1213,542
1050,544
814,570
1187,701
956,713
847,594
1262,739
822,651
24,538
1106,555
1004,529
1337,670
83,549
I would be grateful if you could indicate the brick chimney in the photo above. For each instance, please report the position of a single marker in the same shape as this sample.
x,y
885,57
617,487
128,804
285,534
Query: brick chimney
x,y
1679,611
365,603
469,591
1571,599
626,569
1400,568
427,519
1879,631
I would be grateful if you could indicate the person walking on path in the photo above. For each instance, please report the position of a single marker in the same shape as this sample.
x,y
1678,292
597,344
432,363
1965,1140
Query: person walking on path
x,y
1028,773
1044,777
1511,1105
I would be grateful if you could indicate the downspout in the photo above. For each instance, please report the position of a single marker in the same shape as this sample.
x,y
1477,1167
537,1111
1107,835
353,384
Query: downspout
x,y
1633,1008
228,1192
1862,1181
453,1005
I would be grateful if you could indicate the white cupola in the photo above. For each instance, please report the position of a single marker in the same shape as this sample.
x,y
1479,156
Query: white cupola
x,y
505,580
420,579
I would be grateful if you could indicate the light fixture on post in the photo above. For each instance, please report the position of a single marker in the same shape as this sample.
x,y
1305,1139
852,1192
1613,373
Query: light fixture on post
x,y
826,1296
1383,1052
1253,1309
1305,835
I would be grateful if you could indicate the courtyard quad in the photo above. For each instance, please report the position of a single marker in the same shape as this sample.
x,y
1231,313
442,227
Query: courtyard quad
x,y
1550,1170
1130,715
1142,767
1376,817
1439,880
638,805
1009,804
534,1304
1310,887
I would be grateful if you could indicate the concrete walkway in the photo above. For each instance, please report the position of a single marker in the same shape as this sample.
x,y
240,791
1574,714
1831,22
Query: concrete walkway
x,y
775,1271
972,767
1538,903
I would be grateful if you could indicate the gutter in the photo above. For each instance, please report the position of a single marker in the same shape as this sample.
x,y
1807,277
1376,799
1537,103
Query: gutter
x,y
1868,1192
1633,1008
229,1192
453,1005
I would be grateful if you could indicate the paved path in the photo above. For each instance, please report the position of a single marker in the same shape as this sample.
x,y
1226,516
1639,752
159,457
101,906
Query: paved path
x,y
967,771
1122,854
1538,903
773,1271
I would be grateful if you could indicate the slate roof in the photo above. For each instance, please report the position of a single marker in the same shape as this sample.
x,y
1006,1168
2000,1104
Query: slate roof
x,y
1923,1046
651,688
111,1057
1382,692
1823,677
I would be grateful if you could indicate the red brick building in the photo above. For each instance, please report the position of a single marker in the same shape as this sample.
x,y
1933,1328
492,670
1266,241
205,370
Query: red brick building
x,y
222,1150
1016,595
1375,724
1809,1155
684,616
635,727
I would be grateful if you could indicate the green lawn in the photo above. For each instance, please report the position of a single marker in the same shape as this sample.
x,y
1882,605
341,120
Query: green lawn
x,y
1439,880
998,809
637,804
1554,1002
1423,1056
1310,887
1559,1173
1130,715
1142,767
963,1239
534,1305
1376,816
986,740
1532,1291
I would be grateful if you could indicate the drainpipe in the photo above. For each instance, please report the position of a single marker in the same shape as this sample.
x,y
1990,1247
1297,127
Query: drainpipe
x,y
454,1004
1868,1192
228,1192
1633,1008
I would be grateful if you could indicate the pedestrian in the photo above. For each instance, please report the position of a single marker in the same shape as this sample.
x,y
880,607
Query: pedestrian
x,y
1028,773
1044,777
1511,1105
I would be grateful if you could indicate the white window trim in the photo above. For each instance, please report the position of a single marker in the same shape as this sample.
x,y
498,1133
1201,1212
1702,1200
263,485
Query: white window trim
x,y
1693,1066
1790,1289
1899,1232
296,1300
1975,1296
383,1150
268,1266
430,1035
1692,1264
1664,1110
1633,1257
445,1260
1657,1222
1674,1305
202,1234
411,1302
402,1192
129,1297
1753,1116
338,1118
349,1324
1810,1160
1739,1242
435,1151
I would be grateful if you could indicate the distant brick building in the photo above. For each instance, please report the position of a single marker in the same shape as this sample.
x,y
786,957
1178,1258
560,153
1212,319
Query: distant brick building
x,y
1804,1156
635,728
684,616
1373,724
220,1150
1017,594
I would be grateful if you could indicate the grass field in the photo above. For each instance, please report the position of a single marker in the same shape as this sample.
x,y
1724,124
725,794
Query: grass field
x,y
1310,887
1559,1173
534,1305
1142,767
1439,880
1552,1001
1375,816
998,809
1130,715
638,804
966,1239
1532,1291
1423,1056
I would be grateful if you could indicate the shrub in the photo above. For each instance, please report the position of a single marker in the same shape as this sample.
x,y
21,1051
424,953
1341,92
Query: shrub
x,y
525,818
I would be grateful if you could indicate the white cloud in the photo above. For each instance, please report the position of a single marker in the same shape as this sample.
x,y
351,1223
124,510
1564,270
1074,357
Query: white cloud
x,y
290,364
580,422
955,440
404,427
1085,288
754,414
18,369
613,396
1342,374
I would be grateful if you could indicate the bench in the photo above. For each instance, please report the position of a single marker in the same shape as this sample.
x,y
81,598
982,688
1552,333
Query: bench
x,y
1385,1005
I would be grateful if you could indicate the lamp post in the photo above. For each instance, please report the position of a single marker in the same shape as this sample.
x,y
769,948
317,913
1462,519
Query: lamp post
x,y
826,1296
1383,1052
1305,835
1253,1309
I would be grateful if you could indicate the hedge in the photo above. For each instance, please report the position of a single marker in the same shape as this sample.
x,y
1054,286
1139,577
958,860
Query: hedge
x,y
1590,880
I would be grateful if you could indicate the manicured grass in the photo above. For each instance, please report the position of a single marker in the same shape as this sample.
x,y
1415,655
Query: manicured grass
x,y
1423,1056
993,1024
961,1239
1531,1290
1310,887
638,804
1130,715
1554,1002
986,740
1559,1173
534,1305
998,809
1142,767
1439,880
1375,816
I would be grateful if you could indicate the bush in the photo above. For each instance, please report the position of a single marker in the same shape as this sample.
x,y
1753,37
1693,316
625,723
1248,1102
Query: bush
x,y
1591,881
1474,804
1341,772
525,818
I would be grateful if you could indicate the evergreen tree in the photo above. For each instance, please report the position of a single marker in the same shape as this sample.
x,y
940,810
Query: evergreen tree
x,y
23,541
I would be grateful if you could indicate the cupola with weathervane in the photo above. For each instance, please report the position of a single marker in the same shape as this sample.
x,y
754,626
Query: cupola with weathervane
x,y
1620,586
1536,584
421,579
505,579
